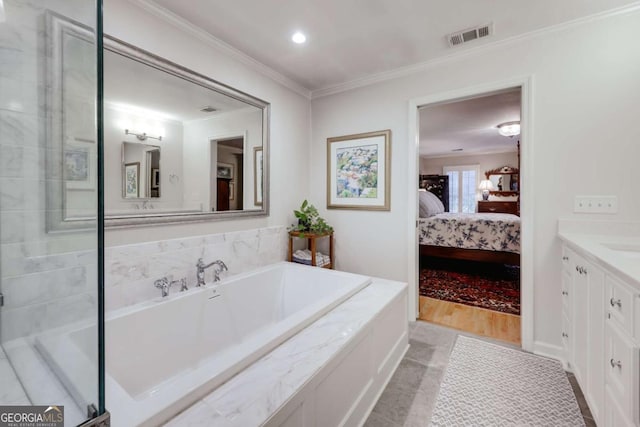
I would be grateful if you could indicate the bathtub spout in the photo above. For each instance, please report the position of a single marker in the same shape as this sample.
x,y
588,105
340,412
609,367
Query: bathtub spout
x,y
201,267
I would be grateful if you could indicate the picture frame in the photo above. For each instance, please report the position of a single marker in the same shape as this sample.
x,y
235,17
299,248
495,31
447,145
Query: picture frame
x,y
258,159
225,170
131,180
359,171
79,165
232,191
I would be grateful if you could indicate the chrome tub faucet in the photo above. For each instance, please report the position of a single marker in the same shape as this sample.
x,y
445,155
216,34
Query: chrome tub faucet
x,y
220,266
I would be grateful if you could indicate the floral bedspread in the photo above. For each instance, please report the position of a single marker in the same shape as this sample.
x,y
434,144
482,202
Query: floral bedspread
x,y
487,231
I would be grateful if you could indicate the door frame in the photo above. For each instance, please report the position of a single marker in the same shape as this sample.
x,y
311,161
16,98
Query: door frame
x,y
525,83
213,171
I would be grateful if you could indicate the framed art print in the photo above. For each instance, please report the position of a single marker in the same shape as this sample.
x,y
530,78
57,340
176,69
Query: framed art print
x,y
358,171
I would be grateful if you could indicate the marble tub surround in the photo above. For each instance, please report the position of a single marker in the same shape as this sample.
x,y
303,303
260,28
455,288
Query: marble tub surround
x,y
267,391
130,270
613,245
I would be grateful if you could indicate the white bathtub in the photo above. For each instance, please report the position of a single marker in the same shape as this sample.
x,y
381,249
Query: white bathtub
x,y
165,354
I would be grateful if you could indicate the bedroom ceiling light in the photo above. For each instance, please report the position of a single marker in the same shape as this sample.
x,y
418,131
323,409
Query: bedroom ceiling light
x,y
485,185
298,37
509,128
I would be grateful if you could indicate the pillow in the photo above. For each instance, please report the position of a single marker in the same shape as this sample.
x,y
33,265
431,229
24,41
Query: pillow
x,y
430,205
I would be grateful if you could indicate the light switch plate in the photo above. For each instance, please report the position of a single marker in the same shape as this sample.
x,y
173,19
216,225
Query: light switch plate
x,y
596,204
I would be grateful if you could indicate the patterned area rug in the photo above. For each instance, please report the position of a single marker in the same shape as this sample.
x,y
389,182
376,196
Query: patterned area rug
x,y
492,286
490,385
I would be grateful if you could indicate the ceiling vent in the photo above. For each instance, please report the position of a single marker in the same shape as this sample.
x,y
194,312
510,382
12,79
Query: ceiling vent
x,y
465,36
208,109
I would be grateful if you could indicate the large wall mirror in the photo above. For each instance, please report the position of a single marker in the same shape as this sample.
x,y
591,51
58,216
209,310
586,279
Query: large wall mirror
x,y
178,146
505,181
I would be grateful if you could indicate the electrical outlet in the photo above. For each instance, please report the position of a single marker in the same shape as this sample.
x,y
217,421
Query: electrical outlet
x,y
596,204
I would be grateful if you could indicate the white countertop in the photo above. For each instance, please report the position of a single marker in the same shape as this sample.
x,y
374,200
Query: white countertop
x,y
595,248
252,396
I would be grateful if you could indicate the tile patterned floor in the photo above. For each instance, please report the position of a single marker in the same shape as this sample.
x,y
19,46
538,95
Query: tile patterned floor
x,y
412,391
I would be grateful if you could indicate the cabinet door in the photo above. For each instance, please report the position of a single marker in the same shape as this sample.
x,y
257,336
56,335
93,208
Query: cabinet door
x,y
622,370
580,322
614,415
567,333
596,361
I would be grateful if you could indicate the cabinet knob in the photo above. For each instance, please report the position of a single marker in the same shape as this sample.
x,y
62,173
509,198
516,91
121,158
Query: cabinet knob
x,y
565,258
617,302
616,364
565,293
565,335
577,269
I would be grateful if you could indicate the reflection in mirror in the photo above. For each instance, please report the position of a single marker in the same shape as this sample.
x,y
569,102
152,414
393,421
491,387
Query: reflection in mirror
x,y
140,171
70,131
505,180
168,135
188,147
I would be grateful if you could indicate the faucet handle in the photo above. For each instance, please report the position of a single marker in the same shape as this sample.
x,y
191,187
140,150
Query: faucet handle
x,y
161,282
164,284
182,282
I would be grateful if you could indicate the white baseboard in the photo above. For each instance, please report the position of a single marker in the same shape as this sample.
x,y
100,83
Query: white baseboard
x,y
551,351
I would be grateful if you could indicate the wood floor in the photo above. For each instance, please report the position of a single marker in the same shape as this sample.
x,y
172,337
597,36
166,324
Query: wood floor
x,y
480,321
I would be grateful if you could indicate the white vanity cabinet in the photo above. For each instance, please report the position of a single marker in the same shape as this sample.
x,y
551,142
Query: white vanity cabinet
x,y
601,338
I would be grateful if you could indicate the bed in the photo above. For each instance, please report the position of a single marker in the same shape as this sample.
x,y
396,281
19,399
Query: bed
x,y
485,237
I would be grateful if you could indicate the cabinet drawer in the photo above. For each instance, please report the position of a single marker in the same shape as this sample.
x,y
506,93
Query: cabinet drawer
x,y
498,207
622,370
620,304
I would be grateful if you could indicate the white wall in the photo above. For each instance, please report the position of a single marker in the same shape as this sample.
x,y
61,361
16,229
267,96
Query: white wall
x,y
290,118
586,98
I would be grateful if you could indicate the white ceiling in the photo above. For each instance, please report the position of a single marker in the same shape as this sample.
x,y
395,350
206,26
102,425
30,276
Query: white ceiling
x,y
352,39
133,86
470,124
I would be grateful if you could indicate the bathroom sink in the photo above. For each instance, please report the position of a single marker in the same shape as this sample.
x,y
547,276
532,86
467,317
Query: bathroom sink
x,y
628,250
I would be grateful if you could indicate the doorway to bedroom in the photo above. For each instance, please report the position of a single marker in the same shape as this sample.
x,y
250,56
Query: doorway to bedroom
x,y
469,214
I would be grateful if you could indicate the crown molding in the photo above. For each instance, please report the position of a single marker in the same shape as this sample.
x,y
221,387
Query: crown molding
x,y
481,152
473,51
202,35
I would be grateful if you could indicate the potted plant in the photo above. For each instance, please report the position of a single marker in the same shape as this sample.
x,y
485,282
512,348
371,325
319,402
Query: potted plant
x,y
309,221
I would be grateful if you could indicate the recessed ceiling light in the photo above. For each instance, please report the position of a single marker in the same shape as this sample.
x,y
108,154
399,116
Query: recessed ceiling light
x,y
298,37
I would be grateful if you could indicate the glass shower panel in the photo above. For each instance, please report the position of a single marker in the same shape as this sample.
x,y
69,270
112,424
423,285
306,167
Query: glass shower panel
x,y
49,253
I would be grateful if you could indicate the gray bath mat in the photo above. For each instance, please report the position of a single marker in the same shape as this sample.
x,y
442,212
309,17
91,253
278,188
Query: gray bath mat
x,y
490,385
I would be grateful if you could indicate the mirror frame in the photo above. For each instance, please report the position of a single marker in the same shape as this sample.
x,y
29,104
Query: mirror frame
x,y
56,27
136,220
505,170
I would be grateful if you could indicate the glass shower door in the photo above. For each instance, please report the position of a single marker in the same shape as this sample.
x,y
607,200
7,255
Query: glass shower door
x,y
50,245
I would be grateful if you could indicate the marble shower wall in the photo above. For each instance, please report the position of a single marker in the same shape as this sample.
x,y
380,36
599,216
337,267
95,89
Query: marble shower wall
x,y
47,279
130,270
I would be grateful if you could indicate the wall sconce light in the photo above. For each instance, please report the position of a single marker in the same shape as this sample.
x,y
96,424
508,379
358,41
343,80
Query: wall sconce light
x,y
485,186
509,128
142,136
